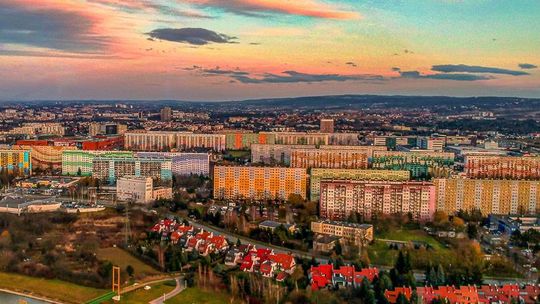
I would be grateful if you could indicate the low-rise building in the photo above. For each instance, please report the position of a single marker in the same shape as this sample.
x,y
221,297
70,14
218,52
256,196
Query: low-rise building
x,y
357,234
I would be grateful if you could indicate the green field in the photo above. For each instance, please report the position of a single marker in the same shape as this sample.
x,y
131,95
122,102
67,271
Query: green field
x,y
409,236
380,253
141,296
199,296
120,257
52,289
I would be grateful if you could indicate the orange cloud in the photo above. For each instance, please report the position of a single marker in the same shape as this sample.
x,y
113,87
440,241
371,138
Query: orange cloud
x,y
307,8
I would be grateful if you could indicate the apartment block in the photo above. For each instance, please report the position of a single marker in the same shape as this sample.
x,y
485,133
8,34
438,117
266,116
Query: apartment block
x,y
97,128
421,163
80,162
108,169
328,158
274,153
490,196
299,138
259,183
244,140
17,162
340,199
357,234
317,175
184,163
137,189
173,141
502,167
35,128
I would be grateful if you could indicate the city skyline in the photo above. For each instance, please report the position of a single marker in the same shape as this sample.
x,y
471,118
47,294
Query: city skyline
x,y
243,49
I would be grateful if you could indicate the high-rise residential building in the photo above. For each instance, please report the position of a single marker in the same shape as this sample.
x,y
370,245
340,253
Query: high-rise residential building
x,y
340,199
352,233
327,126
258,183
166,114
368,150
80,162
184,163
421,163
16,161
97,128
393,141
503,167
352,174
243,140
173,141
299,138
273,153
328,158
490,196
108,169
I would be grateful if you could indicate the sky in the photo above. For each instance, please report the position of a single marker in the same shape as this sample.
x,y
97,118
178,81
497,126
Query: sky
x,y
243,49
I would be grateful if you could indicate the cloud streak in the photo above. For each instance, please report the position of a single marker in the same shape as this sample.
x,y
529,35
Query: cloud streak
x,y
49,27
462,68
527,66
456,77
260,8
194,36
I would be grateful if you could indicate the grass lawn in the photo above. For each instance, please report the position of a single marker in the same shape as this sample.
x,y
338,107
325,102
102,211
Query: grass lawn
x,y
410,235
53,289
380,253
141,296
199,296
122,258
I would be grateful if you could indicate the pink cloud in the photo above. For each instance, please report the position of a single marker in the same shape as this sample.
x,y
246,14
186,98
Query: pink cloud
x,y
307,8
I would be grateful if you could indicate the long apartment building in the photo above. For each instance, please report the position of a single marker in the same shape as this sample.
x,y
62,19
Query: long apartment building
x,y
281,154
17,162
46,157
108,169
340,199
503,167
35,128
358,234
274,153
317,175
168,141
183,163
421,163
490,196
80,162
328,158
300,138
258,183
243,140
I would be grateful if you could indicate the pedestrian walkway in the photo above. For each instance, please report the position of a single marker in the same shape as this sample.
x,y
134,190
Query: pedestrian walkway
x,y
180,286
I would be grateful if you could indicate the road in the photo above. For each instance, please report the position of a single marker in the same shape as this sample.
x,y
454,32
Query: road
x,y
180,286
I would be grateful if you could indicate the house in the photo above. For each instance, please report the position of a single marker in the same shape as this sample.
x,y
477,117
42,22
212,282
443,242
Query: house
x,y
343,276
325,243
392,295
179,232
283,262
165,226
367,273
234,257
320,276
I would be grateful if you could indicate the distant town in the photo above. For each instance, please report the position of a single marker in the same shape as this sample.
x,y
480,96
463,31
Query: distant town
x,y
338,199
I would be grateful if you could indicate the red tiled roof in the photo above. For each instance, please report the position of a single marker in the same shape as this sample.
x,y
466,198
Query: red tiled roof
x,y
285,261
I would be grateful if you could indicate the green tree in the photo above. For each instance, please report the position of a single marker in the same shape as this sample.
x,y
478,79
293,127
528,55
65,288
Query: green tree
x,y
130,270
